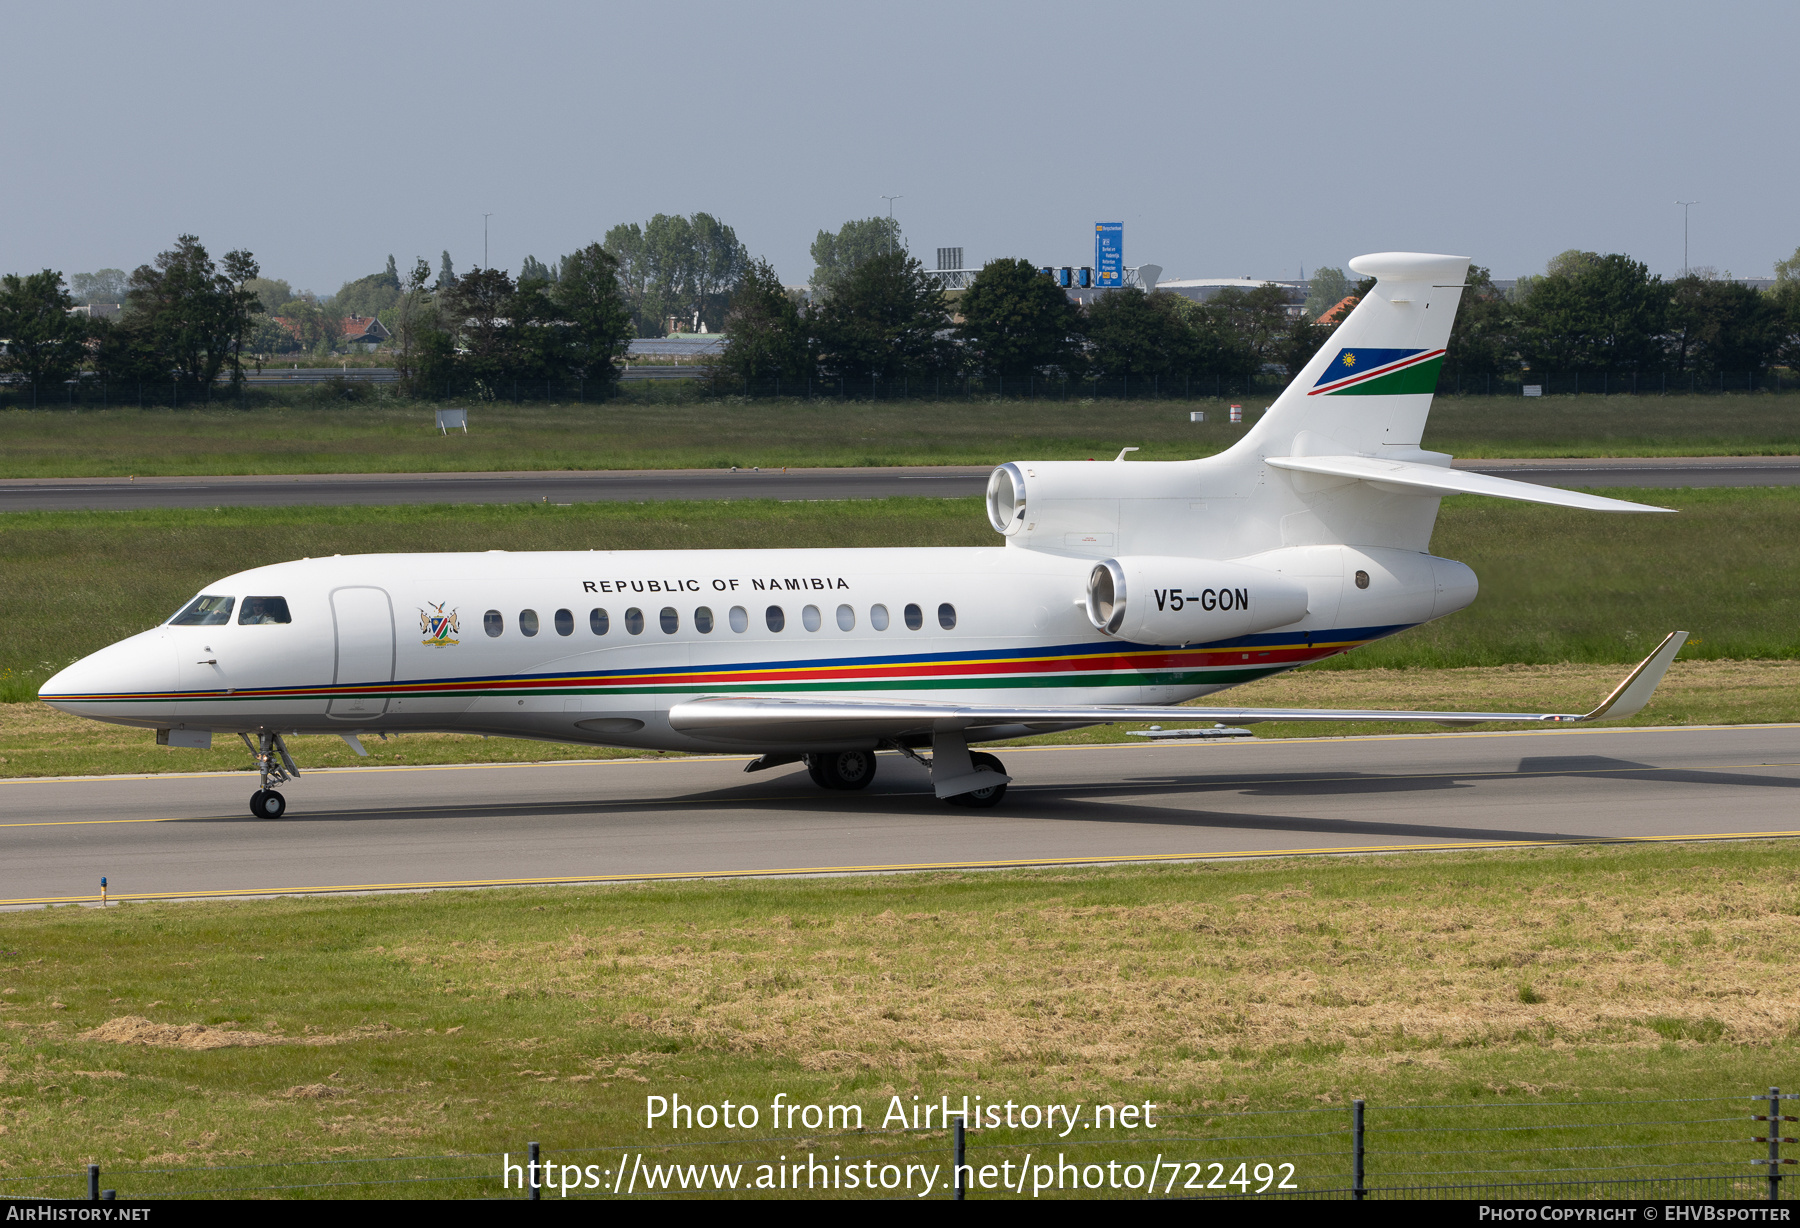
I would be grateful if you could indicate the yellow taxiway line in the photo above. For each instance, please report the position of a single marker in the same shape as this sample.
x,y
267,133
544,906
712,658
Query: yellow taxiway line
x,y
893,868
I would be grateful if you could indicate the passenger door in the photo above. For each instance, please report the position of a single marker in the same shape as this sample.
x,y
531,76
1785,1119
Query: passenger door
x,y
363,619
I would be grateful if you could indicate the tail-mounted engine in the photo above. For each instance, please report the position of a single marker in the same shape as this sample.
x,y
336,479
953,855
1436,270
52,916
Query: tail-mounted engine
x,y
1157,600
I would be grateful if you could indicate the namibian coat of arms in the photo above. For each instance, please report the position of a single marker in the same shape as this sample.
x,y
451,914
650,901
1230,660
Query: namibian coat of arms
x,y
438,626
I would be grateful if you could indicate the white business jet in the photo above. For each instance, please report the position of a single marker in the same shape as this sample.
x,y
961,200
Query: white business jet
x,y
1115,592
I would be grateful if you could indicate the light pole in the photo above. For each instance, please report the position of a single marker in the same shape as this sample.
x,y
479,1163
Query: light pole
x,y
890,200
484,242
1684,233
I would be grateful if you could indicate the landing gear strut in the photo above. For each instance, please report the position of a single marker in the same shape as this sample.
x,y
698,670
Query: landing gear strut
x,y
275,767
958,777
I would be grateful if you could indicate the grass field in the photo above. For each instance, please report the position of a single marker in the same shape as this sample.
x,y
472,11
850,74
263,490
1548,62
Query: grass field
x,y
660,428
174,1036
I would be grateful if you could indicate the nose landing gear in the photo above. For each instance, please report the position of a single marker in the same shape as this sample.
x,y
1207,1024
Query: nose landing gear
x,y
276,767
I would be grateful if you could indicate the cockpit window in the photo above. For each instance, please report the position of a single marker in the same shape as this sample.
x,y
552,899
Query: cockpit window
x,y
264,610
205,612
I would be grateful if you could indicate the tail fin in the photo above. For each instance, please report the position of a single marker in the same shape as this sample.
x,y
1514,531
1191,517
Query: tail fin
x,y
1368,391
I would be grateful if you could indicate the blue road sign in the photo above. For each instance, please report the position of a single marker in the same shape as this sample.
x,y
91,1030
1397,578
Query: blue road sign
x,y
1109,254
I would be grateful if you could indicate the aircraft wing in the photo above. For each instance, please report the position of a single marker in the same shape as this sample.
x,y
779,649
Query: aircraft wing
x,y
758,720
1414,478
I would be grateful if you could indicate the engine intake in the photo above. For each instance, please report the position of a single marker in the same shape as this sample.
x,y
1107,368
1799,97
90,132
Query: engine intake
x,y
1161,600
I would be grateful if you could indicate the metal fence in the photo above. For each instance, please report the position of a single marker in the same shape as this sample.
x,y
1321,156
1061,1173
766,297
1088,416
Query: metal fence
x,y
1713,1148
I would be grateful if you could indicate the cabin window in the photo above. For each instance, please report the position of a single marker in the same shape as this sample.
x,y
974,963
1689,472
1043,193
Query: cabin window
x,y
598,622
634,621
205,612
528,622
947,616
260,611
878,617
775,618
740,619
846,618
703,620
671,621
811,618
493,622
915,617
565,623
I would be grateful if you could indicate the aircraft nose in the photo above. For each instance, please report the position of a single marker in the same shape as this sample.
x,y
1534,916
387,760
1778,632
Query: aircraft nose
x,y
121,676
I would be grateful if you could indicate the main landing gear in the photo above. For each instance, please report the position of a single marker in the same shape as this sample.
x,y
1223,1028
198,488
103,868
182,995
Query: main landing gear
x,y
848,769
276,767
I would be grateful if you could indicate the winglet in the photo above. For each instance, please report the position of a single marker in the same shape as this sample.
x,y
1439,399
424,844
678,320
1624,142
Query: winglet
x,y
1630,696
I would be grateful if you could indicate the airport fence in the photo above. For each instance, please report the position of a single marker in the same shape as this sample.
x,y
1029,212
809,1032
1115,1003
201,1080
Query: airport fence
x,y
328,386
1510,1147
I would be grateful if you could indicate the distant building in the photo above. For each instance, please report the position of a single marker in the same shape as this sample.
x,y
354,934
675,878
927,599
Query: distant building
x,y
364,330
356,330
96,311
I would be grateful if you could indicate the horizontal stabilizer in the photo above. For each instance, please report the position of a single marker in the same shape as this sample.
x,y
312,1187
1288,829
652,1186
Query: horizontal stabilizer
x,y
763,721
1413,477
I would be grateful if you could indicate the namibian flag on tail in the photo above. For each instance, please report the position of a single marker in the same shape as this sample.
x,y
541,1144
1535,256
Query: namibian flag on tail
x,y
1365,371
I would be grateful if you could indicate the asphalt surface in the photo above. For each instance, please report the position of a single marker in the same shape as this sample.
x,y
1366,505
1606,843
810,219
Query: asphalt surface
x,y
650,485
403,827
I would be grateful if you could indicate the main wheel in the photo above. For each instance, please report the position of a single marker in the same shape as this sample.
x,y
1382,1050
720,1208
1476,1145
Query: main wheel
x,y
268,804
982,799
848,769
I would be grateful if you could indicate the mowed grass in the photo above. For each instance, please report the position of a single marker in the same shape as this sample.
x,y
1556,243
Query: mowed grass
x,y
664,428
176,1036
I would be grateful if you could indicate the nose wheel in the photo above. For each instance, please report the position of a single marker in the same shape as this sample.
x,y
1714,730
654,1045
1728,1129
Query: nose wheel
x,y
275,766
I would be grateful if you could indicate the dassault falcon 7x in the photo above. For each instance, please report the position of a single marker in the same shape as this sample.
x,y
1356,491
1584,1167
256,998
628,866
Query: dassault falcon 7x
x,y
1115,592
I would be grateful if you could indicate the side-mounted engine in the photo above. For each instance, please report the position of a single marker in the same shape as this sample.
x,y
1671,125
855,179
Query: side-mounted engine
x,y
1173,601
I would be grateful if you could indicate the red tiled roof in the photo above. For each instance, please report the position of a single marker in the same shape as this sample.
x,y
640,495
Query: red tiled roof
x,y
1340,309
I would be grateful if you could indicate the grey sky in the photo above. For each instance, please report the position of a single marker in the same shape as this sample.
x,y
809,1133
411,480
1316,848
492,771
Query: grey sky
x,y
1231,139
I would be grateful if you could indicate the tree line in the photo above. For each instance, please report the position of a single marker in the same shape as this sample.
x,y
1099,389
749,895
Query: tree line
x,y
877,317
871,312
881,318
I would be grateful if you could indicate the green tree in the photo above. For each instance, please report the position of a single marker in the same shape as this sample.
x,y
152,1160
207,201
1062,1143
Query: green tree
x,y
535,270
480,308
836,256
106,286
314,325
1484,337
1785,298
184,319
271,293
1718,326
44,344
766,336
1138,336
367,296
1258,317
590,305
446,274
677,266
1016,322
1593,314
719,262
414,318
1327,289
884,320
